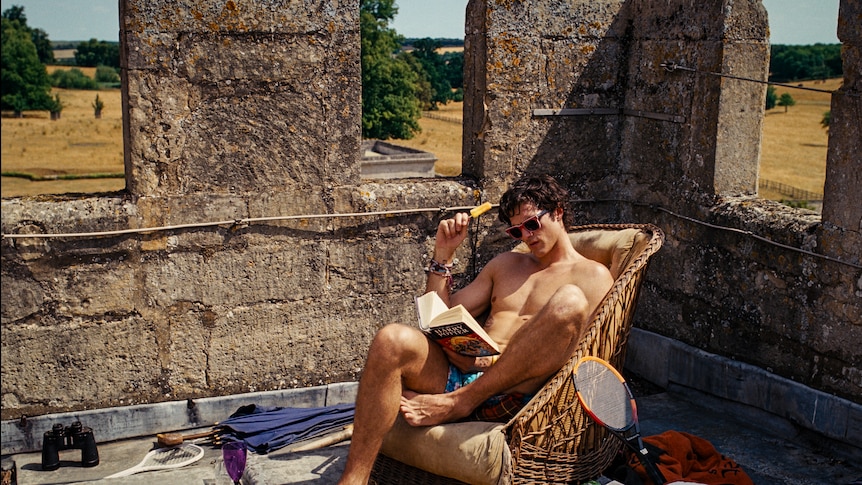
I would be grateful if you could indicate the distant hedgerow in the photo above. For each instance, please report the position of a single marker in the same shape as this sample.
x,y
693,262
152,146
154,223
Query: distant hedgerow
x,y
72,79
107,74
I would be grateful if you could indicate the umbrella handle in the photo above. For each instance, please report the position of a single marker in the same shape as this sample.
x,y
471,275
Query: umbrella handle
x,y
327,440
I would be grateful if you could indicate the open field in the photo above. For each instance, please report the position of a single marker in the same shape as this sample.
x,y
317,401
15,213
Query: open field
x,y
76,144
793,151
440,137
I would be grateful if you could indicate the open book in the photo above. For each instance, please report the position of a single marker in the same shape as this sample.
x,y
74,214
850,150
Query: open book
x,y
453,328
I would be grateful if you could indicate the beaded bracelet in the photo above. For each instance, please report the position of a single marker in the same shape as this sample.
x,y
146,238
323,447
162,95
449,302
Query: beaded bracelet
x,y
437,267
441,269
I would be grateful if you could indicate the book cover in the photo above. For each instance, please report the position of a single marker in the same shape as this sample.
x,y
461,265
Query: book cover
x,y
453,328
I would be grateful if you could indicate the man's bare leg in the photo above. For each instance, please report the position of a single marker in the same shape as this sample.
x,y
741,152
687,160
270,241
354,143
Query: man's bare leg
x,y
536,351
399,356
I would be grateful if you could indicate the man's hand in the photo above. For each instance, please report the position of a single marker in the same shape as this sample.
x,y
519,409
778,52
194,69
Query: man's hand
x,y
450,234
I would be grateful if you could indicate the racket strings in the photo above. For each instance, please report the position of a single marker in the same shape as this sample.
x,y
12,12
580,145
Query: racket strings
x,y
604,395
170,456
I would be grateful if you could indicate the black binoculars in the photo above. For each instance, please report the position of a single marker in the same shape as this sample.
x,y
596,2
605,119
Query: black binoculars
x,y
66,438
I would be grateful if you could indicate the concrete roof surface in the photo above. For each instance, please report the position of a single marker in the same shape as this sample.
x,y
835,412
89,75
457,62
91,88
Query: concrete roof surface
x,y
772,451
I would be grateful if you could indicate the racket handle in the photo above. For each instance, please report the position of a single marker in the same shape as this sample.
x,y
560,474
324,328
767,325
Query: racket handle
x,y
651,468
124,473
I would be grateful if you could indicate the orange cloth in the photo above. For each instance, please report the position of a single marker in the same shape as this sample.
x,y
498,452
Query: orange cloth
x,y
689,458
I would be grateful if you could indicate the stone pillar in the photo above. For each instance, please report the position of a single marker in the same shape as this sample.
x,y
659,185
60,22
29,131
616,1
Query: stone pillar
x,y
475,53
540,55
842,199
690,133
621,124
744,53
240,96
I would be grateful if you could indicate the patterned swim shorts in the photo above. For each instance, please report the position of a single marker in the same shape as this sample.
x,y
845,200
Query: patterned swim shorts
x,y
499,408
458,379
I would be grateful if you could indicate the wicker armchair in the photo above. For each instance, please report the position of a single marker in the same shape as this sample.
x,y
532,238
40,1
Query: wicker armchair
x,y
552,439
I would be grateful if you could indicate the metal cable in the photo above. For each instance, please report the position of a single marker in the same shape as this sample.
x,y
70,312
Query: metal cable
x,y
414,211
725,228
672,66
237,222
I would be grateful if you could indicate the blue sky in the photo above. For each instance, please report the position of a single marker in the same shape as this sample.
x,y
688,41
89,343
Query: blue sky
x,y
791,21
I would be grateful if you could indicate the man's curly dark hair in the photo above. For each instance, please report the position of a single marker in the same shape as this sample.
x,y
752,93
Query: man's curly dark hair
x,y
543,191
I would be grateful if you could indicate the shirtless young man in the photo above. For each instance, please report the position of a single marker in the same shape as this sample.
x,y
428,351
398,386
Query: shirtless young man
x,y
538,306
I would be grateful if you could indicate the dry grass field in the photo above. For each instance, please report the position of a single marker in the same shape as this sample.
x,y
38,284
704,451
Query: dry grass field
x,y
793,151
75,144
440,137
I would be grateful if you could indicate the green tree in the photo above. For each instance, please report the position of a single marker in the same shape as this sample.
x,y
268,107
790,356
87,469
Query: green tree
x,y
800,62
44,49
453,69
56,107
15,13
434,65
107,74
424,91
24,83
97,52
98,106
39,37
771,97
73,78
786,100
43,46
390,108
827,120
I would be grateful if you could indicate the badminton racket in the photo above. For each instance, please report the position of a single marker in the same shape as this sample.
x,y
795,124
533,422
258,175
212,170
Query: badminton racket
x,y
165,458
606,397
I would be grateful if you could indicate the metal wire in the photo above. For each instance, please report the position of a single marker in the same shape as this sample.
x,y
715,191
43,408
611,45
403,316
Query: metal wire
x,y
672,66
237,222
414,211
725,228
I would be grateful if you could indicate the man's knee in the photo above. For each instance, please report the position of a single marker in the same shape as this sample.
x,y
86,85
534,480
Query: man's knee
x,y
569,305
390,336
397,339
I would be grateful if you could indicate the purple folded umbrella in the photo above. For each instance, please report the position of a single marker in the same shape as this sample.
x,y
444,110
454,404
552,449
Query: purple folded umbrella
x,y
265,429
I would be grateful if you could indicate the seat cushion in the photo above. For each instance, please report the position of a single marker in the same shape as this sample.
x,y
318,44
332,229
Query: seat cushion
x,y
611,247
473,452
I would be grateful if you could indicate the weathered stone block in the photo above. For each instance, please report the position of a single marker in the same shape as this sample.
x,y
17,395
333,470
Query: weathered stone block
x,y
205,119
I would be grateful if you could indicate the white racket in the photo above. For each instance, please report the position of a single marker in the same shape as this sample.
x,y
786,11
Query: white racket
x,y
165,458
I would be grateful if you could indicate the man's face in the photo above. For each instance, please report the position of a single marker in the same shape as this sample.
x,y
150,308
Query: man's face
x,y
529,224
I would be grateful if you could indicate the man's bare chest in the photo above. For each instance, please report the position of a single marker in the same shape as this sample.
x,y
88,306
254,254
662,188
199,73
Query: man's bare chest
x,y
527,294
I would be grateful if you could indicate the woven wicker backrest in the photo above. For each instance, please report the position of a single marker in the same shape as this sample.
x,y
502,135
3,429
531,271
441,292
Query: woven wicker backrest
x,y
552,439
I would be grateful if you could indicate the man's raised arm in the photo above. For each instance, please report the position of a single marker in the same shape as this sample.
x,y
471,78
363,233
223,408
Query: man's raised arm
x,y
450,234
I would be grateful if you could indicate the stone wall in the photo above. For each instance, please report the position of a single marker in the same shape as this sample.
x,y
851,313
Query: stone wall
x,y
618,99
124,319
233,112
242,132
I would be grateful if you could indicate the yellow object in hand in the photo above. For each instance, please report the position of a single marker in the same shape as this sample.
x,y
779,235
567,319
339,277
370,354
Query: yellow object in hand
x,y
480,209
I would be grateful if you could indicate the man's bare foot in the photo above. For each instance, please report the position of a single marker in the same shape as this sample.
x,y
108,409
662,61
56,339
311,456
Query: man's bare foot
x,y
430,409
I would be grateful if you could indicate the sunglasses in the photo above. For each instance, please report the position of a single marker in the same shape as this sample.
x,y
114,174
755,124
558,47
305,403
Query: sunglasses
x,y
532,225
